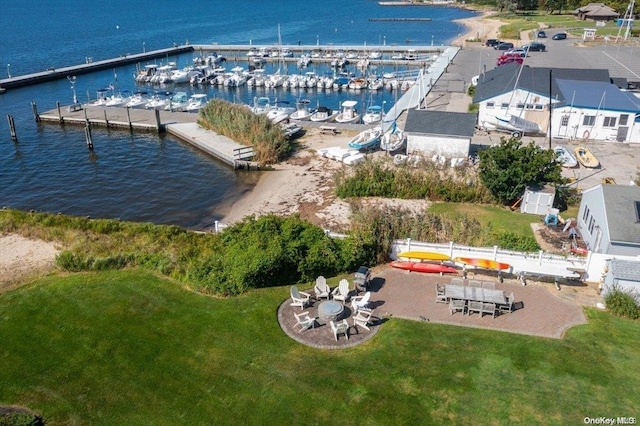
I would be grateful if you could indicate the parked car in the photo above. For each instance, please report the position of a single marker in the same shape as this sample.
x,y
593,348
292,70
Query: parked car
x,y
534,47
559,36
517,51
541,34
509,60
503,46
492,42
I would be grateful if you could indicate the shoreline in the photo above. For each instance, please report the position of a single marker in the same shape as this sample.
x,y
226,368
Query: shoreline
x,y
481,27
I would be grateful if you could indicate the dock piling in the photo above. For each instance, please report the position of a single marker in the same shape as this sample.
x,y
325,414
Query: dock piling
x,y
106,120
34,110
87,134
158,123
60,119
12,127
129,120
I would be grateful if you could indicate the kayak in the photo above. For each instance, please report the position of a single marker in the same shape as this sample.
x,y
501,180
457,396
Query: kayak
x,y
432,268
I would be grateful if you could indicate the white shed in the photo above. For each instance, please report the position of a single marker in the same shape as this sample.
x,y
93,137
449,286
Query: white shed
x,y
447,134
623,274
538,201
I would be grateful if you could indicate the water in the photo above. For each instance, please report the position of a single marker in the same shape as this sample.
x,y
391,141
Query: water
x,y
146,177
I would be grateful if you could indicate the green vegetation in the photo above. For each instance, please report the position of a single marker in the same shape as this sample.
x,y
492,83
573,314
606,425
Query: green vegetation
x,y
382,179
623,303
243,126
508,168
128,347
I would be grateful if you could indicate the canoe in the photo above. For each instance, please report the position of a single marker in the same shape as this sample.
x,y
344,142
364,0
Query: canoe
x,y
423,255
433,268
585,157
482,263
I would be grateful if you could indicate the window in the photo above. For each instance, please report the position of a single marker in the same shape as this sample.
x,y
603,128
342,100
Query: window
x,y
637,203
539,107
585,215
520,106
504,105
609,122
565,120
591,223
529,106
490,104
589,120
623,119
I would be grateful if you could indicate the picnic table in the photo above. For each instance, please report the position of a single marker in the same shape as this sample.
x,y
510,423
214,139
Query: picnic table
x,y
474,294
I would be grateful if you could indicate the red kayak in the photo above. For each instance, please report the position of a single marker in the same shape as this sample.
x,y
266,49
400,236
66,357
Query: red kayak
x,y
433,268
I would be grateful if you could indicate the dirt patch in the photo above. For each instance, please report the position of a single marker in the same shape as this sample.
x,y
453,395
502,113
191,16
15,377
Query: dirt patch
x,y
22,258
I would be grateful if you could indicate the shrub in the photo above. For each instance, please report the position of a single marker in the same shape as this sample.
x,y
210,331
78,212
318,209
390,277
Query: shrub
x,y
622,303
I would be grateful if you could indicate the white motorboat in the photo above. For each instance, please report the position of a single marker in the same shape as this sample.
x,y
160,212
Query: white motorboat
x,y
177,102
138,100
373,115
261,105
237,78
118,99
196,102
349,114
367,139
515,125
102,96
302,112
144,75
180,76
291,130
393,139
323,115
158,101
279,113
565,157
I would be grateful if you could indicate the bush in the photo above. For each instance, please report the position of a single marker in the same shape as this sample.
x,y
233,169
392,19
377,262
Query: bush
x,y
622,303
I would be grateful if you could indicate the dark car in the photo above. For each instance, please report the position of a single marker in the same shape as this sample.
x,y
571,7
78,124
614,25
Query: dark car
x,y
559,36
541,34
534,47
492,42
503,46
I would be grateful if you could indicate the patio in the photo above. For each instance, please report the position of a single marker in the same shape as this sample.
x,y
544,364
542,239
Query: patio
x,y
539,310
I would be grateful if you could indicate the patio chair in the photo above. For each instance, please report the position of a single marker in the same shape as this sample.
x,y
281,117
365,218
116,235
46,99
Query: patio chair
x,y
342,291
488,308
321,289
489,285
340,327
474,306
456,305
362,318
358,302
475,283
508,307
440,297
304,321
299,298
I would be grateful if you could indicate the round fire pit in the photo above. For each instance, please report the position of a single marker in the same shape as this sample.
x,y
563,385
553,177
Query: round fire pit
x,y
329,310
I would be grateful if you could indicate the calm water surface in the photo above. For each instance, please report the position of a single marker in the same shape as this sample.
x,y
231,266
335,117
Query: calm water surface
x,y
146,177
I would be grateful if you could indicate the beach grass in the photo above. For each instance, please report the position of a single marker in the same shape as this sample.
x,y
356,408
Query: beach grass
x,y
129,347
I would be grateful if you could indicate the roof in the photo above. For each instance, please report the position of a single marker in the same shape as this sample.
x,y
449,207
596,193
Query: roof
x,y
620,204
429,122
597,95
349,104
596,10
627,270
502,79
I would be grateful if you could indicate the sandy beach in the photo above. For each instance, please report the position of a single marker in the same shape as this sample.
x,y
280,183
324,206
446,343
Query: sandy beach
x,y
481,27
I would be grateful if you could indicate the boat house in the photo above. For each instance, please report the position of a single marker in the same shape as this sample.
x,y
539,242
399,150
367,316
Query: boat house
x,y
446,134
609,219
585,103
595,12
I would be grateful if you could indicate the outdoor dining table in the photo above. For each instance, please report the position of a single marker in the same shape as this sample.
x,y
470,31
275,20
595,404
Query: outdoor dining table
x,y
474,293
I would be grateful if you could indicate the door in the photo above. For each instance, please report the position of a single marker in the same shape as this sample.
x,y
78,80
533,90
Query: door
x,y
622,134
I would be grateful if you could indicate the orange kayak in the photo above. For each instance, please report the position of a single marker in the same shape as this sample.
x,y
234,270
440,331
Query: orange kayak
x,y
432,268
482,263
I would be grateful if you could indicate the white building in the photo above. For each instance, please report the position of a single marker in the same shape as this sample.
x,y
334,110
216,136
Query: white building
x,y
447,134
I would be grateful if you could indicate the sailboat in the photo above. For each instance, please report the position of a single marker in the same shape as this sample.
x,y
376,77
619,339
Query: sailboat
x,y
393,139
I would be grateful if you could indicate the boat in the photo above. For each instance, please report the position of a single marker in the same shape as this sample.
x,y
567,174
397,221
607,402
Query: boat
x,y
138,100
565,157
586,157
432,268
482,263
323,114
393,139
196,101
119,99
158,101
177,102
517,126
279,114
102,96
367,139
261,105
423,255
302,112
291,130
373,115
349,114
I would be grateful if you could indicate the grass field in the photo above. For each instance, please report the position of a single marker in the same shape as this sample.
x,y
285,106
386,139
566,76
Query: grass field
x,y
515,24
128,347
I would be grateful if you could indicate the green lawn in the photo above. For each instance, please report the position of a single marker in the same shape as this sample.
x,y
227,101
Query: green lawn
x,y
515,24
129,347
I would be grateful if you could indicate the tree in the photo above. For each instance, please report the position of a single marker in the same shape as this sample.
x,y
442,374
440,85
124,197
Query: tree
x,y
508,168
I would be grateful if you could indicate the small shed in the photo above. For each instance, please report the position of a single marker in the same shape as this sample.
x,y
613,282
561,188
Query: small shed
x,y
538,201
442,133
623,274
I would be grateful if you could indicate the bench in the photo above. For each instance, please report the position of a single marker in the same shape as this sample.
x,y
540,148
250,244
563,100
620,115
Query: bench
x,y
328,130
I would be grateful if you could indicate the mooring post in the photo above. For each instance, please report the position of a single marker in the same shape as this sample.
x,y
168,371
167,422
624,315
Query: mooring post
x,y
158,124
106,121
85,116
129,120
87,134
12,127
60,119
34,110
